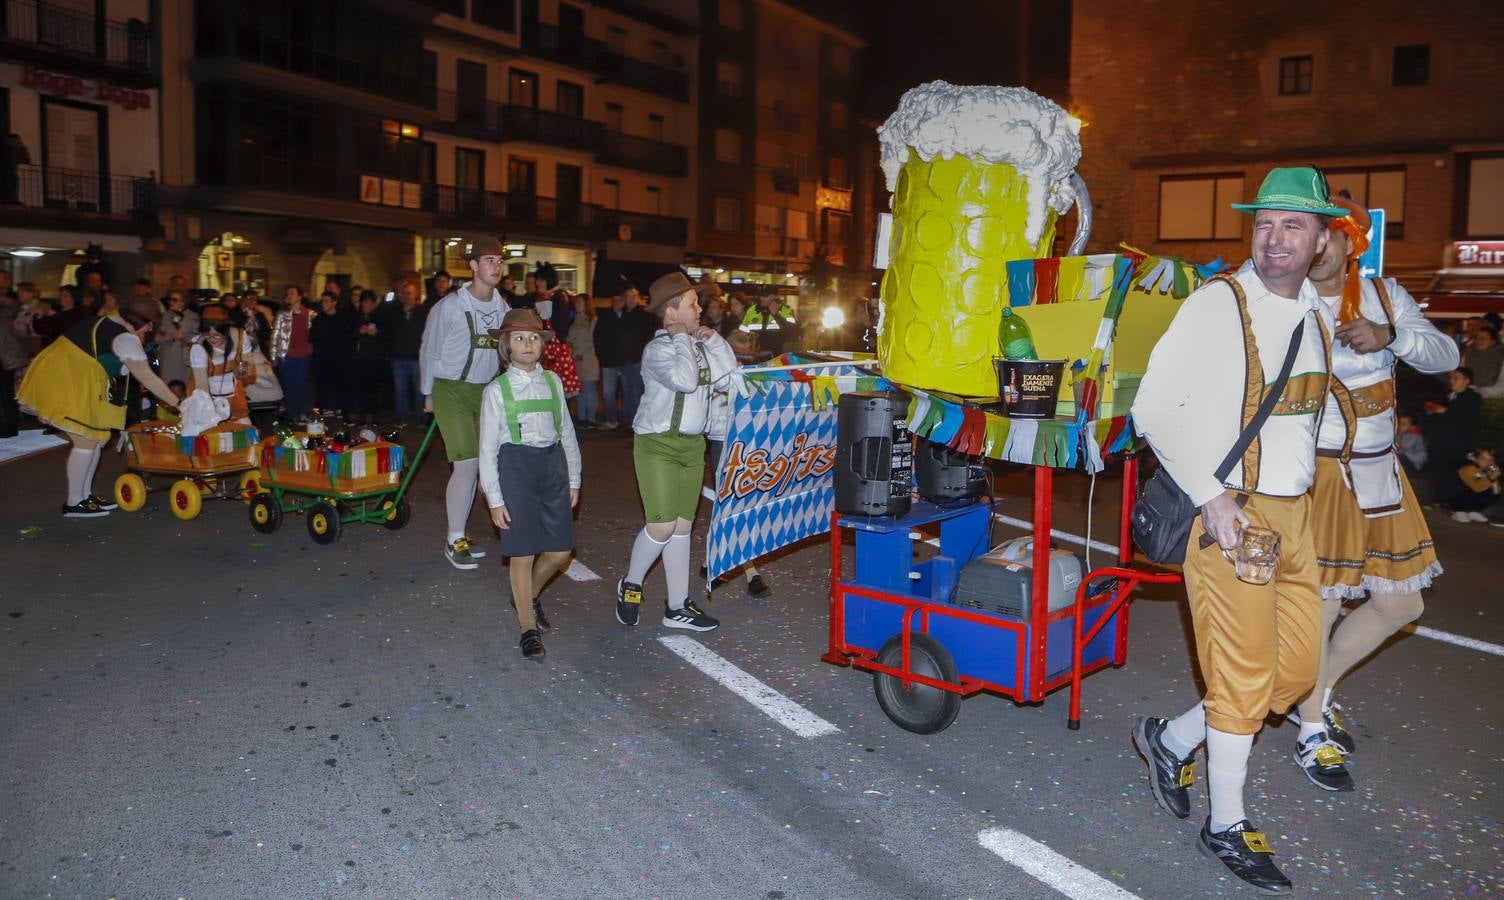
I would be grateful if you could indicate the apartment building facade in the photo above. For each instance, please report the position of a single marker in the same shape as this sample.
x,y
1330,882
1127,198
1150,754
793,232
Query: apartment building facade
x,y
306,139
79,100
1183,120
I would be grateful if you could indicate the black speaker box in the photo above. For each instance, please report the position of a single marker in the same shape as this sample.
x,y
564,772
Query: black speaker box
x,y
943,474
874,454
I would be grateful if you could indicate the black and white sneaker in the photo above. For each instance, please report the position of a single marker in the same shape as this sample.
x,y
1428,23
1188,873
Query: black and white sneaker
x,y
104,503
1169,775
1336,730
459,555
690,618
475,552
1246,854
628,602
87,509
1322,761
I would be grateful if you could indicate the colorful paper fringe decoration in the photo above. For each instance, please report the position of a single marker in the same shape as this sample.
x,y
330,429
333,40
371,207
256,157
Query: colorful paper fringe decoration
x,y
359,462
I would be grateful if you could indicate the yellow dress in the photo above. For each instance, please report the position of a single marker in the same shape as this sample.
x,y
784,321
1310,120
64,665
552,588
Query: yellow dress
x,y
68,387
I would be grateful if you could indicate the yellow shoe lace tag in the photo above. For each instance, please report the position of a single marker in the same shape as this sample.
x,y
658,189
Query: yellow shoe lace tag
x,y
1257,842
1187,774
632,597
462,545
1327,755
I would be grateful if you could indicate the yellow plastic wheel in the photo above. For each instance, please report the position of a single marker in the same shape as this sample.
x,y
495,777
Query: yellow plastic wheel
x,y
250,486
130,491
185,499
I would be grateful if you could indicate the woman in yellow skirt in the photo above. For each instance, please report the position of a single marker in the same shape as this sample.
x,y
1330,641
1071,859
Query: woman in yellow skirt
x,y
80,385
1371,537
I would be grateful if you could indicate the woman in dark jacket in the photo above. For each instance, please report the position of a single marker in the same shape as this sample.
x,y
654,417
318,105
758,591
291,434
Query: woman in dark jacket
x,y
333,337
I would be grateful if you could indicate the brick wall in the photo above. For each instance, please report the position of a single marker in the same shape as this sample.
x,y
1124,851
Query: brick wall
x,y
1169,88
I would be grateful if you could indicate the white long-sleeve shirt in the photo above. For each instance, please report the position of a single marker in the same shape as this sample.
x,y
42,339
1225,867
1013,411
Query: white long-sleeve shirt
x,y
1416,342
1190,402
537,428
670,368
447,337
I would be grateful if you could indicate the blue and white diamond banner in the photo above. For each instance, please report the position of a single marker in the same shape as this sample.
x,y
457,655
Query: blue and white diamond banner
x,y
775,482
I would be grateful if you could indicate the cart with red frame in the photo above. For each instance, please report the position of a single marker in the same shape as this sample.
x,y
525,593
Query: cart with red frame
x,y
926,654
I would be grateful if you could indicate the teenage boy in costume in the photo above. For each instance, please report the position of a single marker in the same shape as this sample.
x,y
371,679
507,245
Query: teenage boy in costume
x,y
456,360
1257,645
1371,535
681,365
529,469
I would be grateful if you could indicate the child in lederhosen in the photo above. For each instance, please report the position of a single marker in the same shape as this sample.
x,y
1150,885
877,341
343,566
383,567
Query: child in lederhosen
x,y
529,468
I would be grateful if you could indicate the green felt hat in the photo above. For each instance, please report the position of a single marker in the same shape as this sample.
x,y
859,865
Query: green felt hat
x,y
1294,189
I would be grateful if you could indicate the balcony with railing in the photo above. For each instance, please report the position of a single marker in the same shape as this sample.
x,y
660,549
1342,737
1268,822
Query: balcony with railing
x,y
549,216
46,34
549,42
643,228
644,154
44,197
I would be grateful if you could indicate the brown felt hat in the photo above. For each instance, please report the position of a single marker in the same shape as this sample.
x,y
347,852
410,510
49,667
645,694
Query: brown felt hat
x,y
521,320
666,288
486,246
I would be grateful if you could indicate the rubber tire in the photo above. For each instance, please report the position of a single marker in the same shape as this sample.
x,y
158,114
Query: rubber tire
x,y
265,513
250,487
920,709
130,491
323,522
397,518
184,499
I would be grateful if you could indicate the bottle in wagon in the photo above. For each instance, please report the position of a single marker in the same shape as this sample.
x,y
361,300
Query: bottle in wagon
x,y
1014,340
285,437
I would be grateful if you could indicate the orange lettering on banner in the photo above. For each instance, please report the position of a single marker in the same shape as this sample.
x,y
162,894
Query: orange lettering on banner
x,y
760,472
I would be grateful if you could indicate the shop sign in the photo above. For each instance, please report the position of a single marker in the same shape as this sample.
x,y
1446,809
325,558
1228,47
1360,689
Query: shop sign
x,y
390,192
70,86
1477,254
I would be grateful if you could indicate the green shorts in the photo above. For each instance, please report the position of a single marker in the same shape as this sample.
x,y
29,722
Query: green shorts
x,y
670,468
456,406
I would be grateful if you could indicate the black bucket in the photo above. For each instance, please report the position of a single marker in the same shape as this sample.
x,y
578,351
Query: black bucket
x,y
1029,387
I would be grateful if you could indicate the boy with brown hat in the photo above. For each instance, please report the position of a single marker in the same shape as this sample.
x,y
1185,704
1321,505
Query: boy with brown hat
x,y
680,367
529,468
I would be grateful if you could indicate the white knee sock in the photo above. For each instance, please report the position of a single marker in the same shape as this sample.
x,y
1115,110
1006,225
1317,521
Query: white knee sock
x,y
1226,771
676,570
459,496
645,552
79,463
94,456
1186,731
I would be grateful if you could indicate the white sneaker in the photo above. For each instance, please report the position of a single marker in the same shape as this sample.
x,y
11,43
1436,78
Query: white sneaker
x,y
1473,516
1460,516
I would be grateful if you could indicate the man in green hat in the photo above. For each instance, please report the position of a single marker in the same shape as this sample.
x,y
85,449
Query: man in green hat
x,y
1256,644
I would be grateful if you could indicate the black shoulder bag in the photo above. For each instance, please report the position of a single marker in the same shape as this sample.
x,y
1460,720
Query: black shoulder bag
x,y
1163,513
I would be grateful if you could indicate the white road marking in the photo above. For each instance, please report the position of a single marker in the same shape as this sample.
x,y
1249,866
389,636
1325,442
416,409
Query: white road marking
x,y
578,571
1050,867
773,704
1449,638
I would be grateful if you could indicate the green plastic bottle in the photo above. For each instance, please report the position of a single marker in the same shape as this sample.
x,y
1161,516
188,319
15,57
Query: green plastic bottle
x,y
1014,338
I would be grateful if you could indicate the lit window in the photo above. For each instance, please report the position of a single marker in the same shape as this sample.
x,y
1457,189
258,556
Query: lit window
x,y
1198,208
728,145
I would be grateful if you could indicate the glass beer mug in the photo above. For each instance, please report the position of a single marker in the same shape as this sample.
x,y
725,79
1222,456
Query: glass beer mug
x,y
1256,556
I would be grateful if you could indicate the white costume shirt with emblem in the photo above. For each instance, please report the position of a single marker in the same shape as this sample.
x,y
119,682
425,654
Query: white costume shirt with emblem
x,y
446,339
670,368
537,428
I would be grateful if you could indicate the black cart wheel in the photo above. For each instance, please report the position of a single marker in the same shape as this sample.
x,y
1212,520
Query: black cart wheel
x,y
265,513
323,522
918,708
396,514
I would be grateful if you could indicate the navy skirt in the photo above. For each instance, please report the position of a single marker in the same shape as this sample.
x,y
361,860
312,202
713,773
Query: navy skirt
x,y
535,487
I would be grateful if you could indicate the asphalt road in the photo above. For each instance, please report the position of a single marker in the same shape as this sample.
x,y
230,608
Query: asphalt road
x,y
192,709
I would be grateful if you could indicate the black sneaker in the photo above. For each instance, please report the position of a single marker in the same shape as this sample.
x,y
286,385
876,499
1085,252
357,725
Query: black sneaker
x,y
531,644
1336,730
691,618
1321,759
1246,854
628,602
1169,775
104,503
543,624
87,509
459,555
758,589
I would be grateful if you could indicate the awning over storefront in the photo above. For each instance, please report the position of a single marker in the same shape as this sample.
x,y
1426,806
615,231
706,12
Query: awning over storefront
x,y
14,238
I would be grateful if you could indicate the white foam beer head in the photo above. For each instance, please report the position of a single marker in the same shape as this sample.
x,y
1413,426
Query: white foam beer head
x,y
1010,125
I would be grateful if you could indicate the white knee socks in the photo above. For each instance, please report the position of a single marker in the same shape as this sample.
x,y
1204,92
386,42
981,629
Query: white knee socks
x,y
459,496
1185,732
676,570
1226,771
645,552
81,464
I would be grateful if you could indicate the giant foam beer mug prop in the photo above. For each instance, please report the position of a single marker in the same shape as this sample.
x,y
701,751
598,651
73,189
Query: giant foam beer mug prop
x,y
979,176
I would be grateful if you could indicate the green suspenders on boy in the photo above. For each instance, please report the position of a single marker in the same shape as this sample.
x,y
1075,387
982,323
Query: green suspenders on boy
x,y
515,408
704,369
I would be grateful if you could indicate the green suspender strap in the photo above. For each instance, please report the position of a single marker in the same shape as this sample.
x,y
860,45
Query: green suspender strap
x,y
114,367
515,407
704,379
479,340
